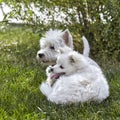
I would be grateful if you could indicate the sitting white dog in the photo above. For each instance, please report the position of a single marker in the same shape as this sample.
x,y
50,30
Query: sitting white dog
x,y
50,43
73,79
53,40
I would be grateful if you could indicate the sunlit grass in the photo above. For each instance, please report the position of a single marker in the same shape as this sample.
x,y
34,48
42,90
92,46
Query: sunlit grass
x,y
21,75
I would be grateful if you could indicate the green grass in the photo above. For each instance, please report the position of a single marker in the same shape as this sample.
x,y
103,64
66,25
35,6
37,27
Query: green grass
x,y
21,75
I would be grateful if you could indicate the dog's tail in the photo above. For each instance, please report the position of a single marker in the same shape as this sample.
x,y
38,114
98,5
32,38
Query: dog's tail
x,y
86,50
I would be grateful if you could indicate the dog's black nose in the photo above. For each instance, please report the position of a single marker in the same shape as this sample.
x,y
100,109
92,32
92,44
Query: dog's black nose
x,y
41,55
51,69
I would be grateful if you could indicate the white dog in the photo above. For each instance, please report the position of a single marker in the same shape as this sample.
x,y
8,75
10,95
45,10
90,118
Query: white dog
x,y
73,79
53,40
50,44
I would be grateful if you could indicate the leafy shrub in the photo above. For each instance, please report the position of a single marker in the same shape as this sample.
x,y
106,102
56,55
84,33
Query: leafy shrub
x,y
99,21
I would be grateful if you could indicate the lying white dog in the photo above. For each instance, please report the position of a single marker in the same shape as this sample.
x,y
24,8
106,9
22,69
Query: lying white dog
x,y
73,79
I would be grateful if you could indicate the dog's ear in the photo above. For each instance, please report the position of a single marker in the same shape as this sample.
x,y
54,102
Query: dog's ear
x,y
67,37
73,58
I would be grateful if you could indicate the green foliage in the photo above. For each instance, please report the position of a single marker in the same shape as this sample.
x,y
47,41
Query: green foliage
x,y
21,75
99,20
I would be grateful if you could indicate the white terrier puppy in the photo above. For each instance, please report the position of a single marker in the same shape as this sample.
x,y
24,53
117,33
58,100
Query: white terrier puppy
x,y
73,79
50,44
54,39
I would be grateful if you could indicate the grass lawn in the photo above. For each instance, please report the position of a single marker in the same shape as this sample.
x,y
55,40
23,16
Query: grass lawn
x,y
21,75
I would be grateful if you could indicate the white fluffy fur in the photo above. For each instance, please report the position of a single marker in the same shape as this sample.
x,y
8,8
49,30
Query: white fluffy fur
x,y
81,81
86,50
57,39
51,42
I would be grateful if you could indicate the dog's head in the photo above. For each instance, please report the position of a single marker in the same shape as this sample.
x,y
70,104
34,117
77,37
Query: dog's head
x,y
67,64
50,44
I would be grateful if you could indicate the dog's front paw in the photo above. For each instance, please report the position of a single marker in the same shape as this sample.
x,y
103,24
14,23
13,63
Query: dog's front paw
x,y
45,88
48,69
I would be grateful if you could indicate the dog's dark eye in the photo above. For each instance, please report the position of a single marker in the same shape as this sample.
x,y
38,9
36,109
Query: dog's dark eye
x,y
61,67
52,47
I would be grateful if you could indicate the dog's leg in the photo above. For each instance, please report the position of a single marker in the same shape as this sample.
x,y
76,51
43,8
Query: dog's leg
x,y
45,88
58,99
